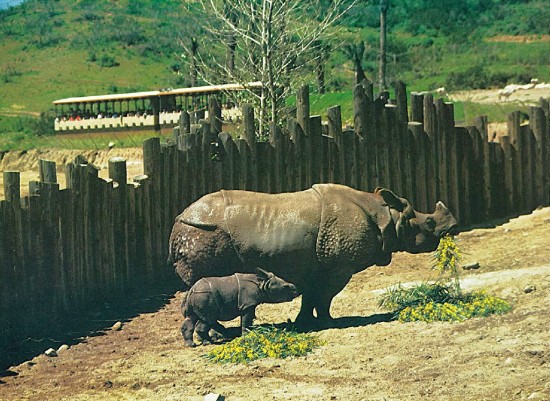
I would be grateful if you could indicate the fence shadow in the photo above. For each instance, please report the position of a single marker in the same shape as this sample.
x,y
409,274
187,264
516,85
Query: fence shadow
x,y
345,322
75,328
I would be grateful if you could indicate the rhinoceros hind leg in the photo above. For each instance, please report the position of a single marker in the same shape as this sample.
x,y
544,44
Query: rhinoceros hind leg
x,y
198,252
218,332
202,328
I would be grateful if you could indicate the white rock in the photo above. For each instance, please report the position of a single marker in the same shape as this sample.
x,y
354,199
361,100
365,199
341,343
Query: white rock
x,y
51,352
214,397
530,288
117,326
63,348
471,266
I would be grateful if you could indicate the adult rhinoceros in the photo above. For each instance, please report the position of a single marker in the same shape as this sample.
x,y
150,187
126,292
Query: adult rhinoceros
x,y
316,239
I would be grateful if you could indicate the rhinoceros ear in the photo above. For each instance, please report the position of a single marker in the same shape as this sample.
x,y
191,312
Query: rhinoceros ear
x,y
262,274
391,199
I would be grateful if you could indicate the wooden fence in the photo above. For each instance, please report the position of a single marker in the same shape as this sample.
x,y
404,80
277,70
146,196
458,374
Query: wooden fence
x,y
62,251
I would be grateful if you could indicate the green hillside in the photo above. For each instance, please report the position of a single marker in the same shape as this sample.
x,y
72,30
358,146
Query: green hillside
x,y
52,49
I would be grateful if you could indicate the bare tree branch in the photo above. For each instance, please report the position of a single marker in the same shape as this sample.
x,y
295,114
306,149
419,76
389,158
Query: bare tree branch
x,y
272,42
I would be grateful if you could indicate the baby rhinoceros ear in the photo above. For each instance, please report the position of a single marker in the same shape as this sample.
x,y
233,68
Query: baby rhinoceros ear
x,y
263,275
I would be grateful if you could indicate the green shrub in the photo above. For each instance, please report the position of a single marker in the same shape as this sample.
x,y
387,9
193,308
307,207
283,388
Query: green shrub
x,y
475,304
264,343
443,300
108,61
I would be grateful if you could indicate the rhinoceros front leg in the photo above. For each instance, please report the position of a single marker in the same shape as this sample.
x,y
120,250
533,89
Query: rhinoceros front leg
x,y
318,297
247,319
305,318
187,330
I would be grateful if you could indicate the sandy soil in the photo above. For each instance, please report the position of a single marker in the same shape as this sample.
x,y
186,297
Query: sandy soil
x,y
529,97
368,357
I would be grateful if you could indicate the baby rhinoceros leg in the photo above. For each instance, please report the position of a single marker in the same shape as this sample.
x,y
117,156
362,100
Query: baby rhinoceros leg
x,y
187,330
202,328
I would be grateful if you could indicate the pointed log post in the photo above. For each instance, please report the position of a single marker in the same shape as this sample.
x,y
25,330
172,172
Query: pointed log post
x,y
302,108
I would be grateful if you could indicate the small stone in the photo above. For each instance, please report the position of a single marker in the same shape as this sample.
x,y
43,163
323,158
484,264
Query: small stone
x,y
214,397
471,266
117,326
506,230
534,396
63,348
530,288
508,361
50,352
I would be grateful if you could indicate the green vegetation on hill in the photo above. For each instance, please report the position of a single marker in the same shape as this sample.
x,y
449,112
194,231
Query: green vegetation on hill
x,y
52,49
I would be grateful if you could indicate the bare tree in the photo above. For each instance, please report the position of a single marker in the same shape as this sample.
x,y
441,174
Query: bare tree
x,y
382,66
271,41
321,50
193,56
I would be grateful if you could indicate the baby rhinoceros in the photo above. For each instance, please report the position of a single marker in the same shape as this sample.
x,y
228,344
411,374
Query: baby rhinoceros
x,y
224,298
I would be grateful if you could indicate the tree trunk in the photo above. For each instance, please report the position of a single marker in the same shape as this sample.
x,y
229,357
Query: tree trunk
x,y
194,67
231,46
382,65
321,77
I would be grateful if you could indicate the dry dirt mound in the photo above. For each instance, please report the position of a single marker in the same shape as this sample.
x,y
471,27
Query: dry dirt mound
x,y
491,96
367,358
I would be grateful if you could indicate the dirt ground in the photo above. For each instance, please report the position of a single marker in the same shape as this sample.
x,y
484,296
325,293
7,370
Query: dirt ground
x,y
368,357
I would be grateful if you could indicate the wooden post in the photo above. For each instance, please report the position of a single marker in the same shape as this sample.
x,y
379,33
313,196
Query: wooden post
x,y
302,108
419,165
369,88
516,141
249,134
509,164
152,167
481,124
12,186
151,157
334,116
417,107
315,137
276,141
185,122
360,111
47,171
539,126
117,170
430,125
215,116
231,165
528,150
401,97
